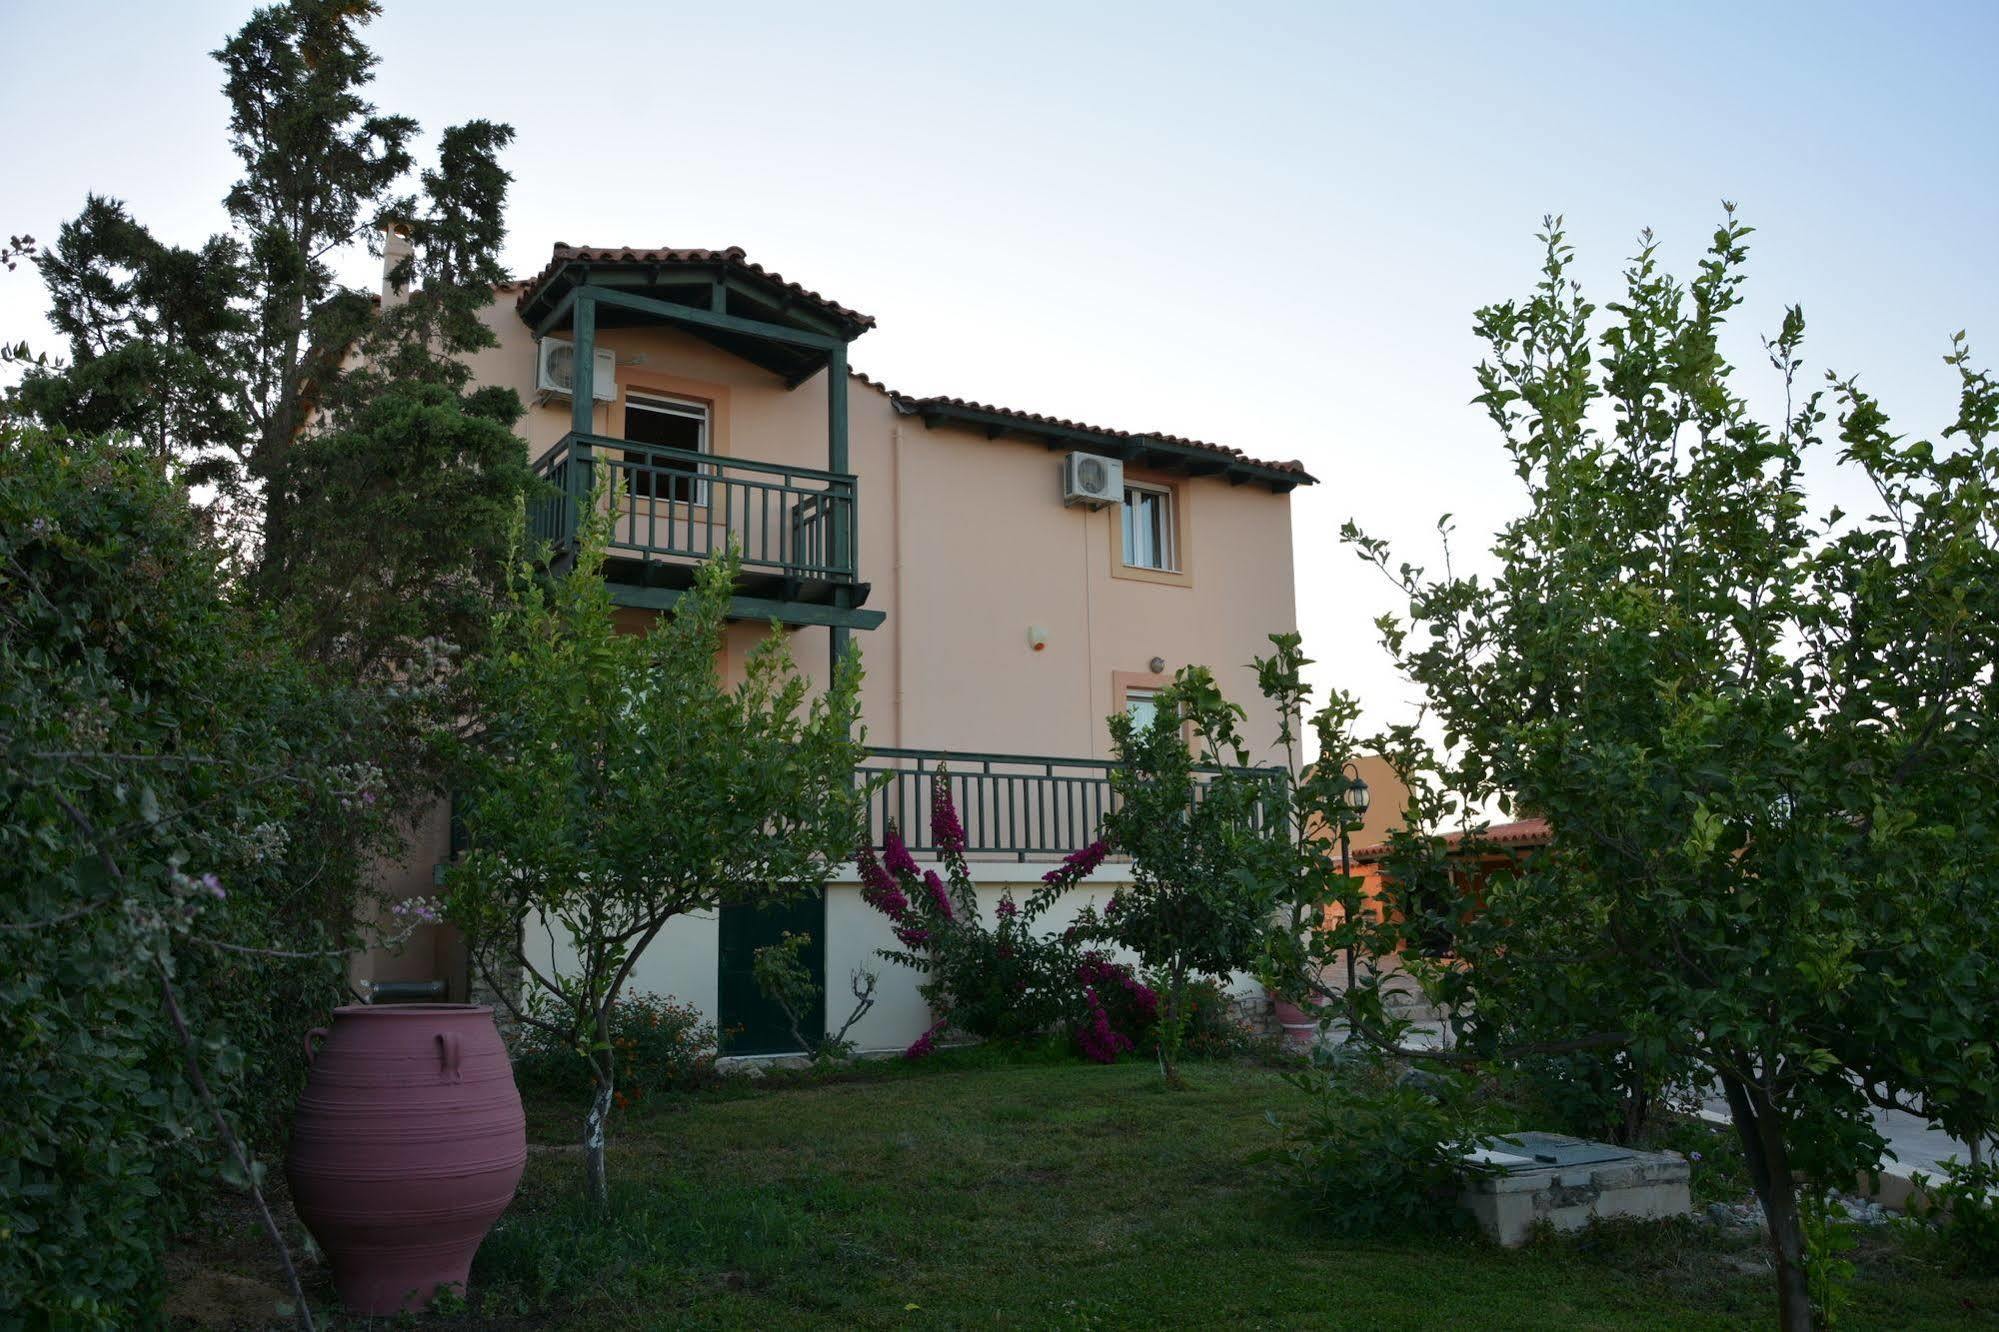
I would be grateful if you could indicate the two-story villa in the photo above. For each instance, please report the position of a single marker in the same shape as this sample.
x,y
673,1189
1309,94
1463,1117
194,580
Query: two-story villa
x,y
1012,578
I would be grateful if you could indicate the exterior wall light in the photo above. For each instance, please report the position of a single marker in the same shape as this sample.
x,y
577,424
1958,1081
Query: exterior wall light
x,y
1355,796
1037,637
1158,665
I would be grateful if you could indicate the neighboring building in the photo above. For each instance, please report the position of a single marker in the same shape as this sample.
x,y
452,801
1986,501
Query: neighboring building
x,y
999,616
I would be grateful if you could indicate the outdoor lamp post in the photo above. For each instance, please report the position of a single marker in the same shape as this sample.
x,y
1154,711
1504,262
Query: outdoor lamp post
x,y
1355,799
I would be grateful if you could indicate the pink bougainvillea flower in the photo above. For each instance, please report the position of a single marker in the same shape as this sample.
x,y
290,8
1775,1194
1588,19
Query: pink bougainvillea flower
x,y
1078,864
945,829
895,855
878,887
939,899
926,1044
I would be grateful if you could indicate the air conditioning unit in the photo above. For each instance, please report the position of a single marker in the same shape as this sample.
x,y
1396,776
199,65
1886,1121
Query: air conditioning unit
x,y
555,371
1092,479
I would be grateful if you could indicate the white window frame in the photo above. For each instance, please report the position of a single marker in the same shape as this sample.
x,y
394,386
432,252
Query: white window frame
x,y
1139,694
1169,528
667,404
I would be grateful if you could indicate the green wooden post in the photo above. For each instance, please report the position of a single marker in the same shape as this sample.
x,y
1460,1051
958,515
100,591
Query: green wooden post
x,y
582,406
582,395
839,539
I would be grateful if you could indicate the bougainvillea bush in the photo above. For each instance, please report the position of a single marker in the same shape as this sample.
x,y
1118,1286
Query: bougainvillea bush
x,y
1004,980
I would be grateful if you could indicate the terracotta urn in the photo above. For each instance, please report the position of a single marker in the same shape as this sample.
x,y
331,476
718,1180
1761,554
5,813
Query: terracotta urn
x,y
406,1147
1300,1027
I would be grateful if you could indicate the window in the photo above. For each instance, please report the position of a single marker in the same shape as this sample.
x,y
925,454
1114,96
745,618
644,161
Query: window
x,y
1142,706
667,423
1150,541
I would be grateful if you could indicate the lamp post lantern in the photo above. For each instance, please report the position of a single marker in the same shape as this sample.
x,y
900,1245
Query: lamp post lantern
x,y
1355,798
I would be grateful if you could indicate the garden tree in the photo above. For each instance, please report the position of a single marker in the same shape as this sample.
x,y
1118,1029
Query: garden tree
x,y
617,783
227,358
1765,741
402,500
1195,822
188,818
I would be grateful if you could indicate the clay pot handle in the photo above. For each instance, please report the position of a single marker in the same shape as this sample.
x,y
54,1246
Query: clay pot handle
x,y
447,1055
311,1050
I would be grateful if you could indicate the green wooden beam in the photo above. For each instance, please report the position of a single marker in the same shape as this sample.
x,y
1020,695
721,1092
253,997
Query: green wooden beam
x,y
556,314
582,391
780,301
754,608
841,537
687,314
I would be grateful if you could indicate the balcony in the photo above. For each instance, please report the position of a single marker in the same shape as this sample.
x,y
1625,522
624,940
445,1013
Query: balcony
x,y
796,527
1013,806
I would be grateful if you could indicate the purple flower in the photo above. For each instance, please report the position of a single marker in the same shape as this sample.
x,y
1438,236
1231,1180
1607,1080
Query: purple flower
x,y
1097,1039
1078,864
926,1044
895,854
939,899
945,829
1006,910
913,936
214,886
878,888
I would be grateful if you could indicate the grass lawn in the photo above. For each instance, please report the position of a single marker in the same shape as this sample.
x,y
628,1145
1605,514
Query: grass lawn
x,y
1060,1196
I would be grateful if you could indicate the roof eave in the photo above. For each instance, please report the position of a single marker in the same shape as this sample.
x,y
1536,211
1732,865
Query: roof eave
x,y
1145,450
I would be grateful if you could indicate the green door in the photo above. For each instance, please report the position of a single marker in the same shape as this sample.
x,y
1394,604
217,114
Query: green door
x,y
752,1024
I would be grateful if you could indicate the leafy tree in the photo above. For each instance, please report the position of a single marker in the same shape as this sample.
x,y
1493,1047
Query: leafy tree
x,y
1206,884
365,487
1765,741
188,817
618,784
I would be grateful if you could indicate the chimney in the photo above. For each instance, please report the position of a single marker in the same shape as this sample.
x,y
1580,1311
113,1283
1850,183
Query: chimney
x,y
396,250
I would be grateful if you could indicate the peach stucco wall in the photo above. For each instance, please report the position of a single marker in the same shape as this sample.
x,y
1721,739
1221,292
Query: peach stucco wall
x,y
967,546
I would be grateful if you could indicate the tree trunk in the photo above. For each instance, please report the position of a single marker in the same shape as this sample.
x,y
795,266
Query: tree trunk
x,y
603,1071
1171,1033
1760,1128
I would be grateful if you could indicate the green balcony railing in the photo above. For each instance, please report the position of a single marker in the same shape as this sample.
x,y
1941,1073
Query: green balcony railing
x,y
1019,805
678,506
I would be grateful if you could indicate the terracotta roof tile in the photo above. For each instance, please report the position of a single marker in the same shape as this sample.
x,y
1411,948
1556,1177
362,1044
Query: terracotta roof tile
x,y
1521,832
733,257
1291,465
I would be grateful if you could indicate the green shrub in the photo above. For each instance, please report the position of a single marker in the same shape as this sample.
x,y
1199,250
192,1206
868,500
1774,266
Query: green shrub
x,y
181,798
662,1045
1963,1211
1371,1153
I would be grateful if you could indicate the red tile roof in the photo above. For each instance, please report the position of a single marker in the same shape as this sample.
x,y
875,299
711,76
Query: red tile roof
x,y
1136,437
733,257
1520,833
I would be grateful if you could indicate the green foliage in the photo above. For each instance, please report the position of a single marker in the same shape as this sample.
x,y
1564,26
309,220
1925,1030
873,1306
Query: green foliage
x,y
784,979
184,804
1829,1271
1963,1207
659,1044
1207,875
1757,733
364,487
1213,1030
617,783
1372,1153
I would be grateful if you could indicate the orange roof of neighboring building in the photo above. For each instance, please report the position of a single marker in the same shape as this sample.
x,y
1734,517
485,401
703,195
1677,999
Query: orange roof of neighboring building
x,y
1520,833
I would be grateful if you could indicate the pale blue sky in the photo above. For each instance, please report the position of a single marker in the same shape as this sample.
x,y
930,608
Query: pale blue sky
x,y
1266,225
